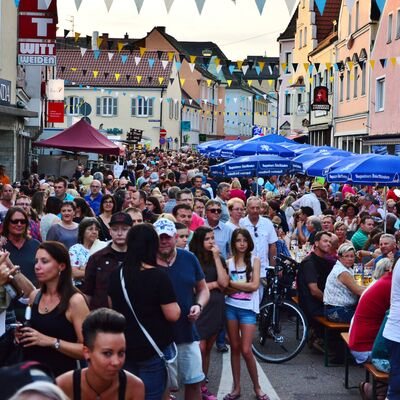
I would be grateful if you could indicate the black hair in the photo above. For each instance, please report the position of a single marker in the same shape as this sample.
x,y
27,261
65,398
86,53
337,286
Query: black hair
x,y
153,200
179,225
6,223
53,205
196,245
102,320
180,207
307,211
107,197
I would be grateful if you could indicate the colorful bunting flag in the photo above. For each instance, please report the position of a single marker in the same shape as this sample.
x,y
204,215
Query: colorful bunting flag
x,y
139,4
182,80
73,69
321,5
66,32
108,4
164,63
77,36
261,64
239,64
17,3
192,59
117,76
209,81
110,56
160,80
381,4
142,50
306,66
260,5
218,69
200,5
124,58
291,5
231,68
78,4
191,66
171,55
99,42
178,65
151,62
245,69
137,60
83,51
95,74
120,46
96,54
168,5
393,60
350,4
138,78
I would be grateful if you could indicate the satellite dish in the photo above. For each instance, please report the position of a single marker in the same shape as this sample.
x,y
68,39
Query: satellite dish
x,y
85,109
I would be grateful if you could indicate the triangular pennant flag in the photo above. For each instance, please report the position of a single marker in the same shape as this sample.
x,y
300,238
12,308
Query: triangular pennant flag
x,y
190,101
83,51
311,80
181,57
73,69
321,5
250,82
110,44
306,66
160,80
168,4
138,78
106,75
239,64
192,59
151,62
110,56
108,4
164,63
62,69
332,78
218,69
99,42
17,3
117,76
328,65
229,81
66,31
142,50
283,66
317,65
217,61
182,80
150,79
381,4
350,4
171,55
260,5
372,63
178,65
270,82
128,77
200,5
124,58
120,46
84,72
231,68
78,4
294,66
350,64
209,81
77,36
95,74
245,69
171,80
291,4
198,82
260,81
383,62
139,4
159,54
137,60
191,66
88,40
96,54
393,60
261,64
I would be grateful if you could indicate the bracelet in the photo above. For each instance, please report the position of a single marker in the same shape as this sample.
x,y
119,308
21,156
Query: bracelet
x,y
198,304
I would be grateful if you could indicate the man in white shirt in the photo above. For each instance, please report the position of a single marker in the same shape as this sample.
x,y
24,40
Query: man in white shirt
x,y
262,232
311,199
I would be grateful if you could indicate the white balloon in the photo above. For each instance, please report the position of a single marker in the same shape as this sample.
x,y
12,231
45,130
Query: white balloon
x,y
260,181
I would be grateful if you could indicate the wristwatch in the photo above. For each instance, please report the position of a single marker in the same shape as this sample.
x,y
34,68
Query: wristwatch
x,y
57,344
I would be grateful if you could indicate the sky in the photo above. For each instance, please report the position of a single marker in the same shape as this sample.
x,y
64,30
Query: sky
x,y
239,30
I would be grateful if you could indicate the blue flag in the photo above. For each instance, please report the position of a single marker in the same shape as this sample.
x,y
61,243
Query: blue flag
x,y
321,5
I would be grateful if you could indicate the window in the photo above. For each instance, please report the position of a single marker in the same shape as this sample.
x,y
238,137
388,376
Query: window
x,y
140,107
177,110
73,104
357,15
390,28
171,109
349,27
341,87
301,39
288,62
348,86
363,77
355,94
305,36
380,94
398,25
288,99
107,106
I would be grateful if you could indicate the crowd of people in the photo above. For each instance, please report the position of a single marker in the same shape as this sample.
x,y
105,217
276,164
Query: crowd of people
x,y
94,265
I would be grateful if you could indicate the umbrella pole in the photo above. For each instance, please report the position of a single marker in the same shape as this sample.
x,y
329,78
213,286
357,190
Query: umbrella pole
x,y
257,185
384,208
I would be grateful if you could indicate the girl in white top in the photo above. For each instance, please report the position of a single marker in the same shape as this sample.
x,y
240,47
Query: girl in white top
x,y
242,306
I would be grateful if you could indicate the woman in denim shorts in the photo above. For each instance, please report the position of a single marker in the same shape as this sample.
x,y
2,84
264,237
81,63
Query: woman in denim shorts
x,y
242,306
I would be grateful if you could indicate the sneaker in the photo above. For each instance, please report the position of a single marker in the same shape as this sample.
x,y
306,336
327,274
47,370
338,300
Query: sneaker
x,y
206,394
222,349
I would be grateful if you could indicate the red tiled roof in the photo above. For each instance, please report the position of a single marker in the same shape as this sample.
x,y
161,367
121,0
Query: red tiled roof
x,y
67,59
325,22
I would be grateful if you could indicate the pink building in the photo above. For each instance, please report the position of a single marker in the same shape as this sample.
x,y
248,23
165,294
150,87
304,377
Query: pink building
x,y
385,78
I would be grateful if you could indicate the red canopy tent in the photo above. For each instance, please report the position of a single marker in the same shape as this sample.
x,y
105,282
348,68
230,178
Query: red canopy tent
x,y
81,137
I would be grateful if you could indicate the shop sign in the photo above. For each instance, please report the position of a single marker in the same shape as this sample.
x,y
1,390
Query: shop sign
x,y
55,112
5,92
321,102
37,27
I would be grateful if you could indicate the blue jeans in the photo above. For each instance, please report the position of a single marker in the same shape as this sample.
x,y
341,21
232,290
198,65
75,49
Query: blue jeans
x,y
339,314
153,374
394,376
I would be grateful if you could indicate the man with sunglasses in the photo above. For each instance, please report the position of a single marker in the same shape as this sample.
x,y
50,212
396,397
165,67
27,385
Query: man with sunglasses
x,y
262,232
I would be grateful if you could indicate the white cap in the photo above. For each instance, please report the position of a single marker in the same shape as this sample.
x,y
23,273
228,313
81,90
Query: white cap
x,y
165,226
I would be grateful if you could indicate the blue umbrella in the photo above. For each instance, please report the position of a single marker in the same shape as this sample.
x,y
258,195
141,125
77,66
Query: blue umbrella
x,y
252,147
273,138
223,150
202,148
367,169
260,165
328,151
319,165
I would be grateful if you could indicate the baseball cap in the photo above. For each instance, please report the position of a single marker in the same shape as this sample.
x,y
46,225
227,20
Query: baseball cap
x,y
121,218
166,226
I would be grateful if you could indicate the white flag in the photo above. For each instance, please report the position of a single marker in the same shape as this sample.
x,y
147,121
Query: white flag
x,y
219,69
168,4
137,60
191,66
108,4
350,4
200,5
78,4
291,5
244,69
260,5
139,4
164,63
110,56
83,51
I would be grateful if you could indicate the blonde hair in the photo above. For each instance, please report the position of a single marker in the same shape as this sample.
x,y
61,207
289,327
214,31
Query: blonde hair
x,y
167,216
233,201
236,184
382,266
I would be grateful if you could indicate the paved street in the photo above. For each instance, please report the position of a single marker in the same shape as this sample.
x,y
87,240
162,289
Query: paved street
x,y
304,377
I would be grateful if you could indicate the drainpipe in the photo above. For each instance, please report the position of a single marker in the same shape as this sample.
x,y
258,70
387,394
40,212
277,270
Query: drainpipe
x,y
277,106
161,115
213,108
309,101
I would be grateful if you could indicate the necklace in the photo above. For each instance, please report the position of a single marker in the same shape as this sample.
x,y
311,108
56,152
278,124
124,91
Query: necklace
x,y
98,395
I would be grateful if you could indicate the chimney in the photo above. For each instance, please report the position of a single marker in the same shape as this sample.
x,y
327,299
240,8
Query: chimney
x,y
94,40
126,36
104,43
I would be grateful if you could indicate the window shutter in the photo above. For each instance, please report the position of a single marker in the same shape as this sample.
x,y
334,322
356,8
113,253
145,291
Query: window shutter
x,y
81,101
151,101
115,106
98,106
134,113
66,105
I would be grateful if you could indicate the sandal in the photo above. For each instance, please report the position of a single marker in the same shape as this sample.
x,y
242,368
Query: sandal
x,y
262,397
230,396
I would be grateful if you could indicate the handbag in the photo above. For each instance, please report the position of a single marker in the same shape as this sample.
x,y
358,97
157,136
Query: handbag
x,y
171,365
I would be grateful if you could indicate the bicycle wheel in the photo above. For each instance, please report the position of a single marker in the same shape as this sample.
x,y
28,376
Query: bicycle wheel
x,y
281,341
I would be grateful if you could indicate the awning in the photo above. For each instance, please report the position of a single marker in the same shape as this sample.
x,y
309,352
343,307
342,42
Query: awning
x,y
318,127
382,139
17,112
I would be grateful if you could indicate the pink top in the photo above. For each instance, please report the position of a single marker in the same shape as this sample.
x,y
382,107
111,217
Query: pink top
x,y
196,222
238,193
347,189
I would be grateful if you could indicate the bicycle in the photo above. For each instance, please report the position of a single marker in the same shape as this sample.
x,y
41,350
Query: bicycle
x,y
282,326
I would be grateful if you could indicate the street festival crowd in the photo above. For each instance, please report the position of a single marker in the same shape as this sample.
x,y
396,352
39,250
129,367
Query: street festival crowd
x,y
107,283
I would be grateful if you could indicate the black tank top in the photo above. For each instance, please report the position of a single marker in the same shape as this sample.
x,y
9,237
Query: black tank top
x,y
55,325
76,381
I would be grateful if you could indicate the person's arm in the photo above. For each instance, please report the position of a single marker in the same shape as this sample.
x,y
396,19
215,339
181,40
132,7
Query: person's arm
x,y
300,235
134,387
254,284
272,254
171,311
351,284
202,297
64,382
222,277
316,291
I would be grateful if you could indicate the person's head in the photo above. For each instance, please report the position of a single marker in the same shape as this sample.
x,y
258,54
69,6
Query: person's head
x,y
340,229
197,181
153,205
104,342
16,223
313,224
60,188
135,214
318,189
253,207
223,191
86,172
201,244
24,202
122,182
82,208
68,211
184,196
7,192
166,232
322,243
382,266
183,213
95,187
305,212
213,212
172,191
119,226
328,222
199,206
367,224
351,210
347,254
242,244
52,264
39,200
368,200
387,243
139,199
88,230
236,184
108,204
182,233
334,244
39,390
236,208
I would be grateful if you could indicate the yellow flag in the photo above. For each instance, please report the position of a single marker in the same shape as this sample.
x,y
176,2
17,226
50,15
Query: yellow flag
x,y
99,42
209,82
352,77
283,65
95,74
328,65
138,78
270,82
229,81
306,66
311,80
240,113
350,64
239,64
261,65
142,50
217,61
290,80
73,69
120,46
192,59
117,76
183,80
393,60
160,80
77,36
250,82
331,78
372,63
170,56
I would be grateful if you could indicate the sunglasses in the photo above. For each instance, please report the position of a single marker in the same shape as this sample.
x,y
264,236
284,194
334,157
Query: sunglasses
x,y
18,221
255,231
215,210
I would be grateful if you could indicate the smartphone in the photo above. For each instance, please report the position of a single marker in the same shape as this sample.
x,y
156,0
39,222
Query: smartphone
x,y
17,325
